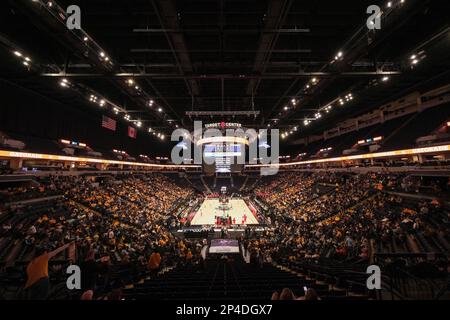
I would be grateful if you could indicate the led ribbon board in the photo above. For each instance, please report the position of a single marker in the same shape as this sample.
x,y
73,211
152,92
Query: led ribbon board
x,y
405,152
38,156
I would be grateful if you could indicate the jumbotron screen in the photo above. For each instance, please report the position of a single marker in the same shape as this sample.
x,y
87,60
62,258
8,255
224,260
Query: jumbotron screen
x,y
222,158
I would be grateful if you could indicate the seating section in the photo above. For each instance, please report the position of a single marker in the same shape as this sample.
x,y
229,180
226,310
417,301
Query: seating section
x,y
323,231
229,280
399,133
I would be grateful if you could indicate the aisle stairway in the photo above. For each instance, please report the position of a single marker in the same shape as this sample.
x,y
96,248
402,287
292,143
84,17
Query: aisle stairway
x,y
207,187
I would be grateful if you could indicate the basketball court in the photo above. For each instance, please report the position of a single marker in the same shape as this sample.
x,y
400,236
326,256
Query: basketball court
x,y
211,208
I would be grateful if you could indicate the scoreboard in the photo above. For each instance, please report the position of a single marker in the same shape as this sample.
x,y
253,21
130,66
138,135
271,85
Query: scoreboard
x,y
222,158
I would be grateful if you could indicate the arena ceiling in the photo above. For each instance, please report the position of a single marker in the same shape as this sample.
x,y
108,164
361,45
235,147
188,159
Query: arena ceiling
x,y
280,61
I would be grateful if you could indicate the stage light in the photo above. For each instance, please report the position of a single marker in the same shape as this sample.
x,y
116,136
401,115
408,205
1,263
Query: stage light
x,y
18,54
25,63
286,108
389,4
160,110
139,124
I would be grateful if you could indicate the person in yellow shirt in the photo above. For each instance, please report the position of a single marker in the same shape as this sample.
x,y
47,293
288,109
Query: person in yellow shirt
x,y
38,285
154,262
189,256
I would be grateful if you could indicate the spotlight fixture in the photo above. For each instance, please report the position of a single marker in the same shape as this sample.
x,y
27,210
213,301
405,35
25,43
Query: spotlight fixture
x,y
64,83
339,55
